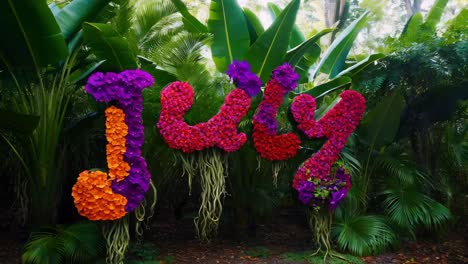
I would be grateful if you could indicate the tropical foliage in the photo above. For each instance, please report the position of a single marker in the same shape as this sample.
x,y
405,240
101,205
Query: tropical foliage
x,y
407,159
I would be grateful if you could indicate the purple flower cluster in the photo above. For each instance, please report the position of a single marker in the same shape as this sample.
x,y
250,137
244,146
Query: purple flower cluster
x,y
327,192
243,78
125,91
286,75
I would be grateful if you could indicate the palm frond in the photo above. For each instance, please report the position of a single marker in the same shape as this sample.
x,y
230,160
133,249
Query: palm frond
x,y
397,164
408,208
149,13
81,242
363,235
43,247
78,243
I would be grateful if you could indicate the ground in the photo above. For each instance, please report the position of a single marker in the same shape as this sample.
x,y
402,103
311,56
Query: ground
x,y
173,241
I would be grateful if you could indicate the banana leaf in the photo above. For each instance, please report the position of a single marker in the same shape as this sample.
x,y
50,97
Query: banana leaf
x,y
270,48
296,35
333,62
231,37
328,87
254,25
380,126
31,36
108,45
295,55
191,23
361,65
434,15
75,13
410,31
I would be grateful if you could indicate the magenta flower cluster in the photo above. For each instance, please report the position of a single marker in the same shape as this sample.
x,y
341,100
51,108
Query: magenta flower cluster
x,y
124,90
270,145
336,125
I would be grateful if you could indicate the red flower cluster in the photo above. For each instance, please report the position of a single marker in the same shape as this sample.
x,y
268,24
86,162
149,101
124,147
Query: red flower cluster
x,y
266,142
220,130
336,125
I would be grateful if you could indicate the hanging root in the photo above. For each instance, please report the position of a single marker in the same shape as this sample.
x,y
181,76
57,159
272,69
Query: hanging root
x,y
141,211
212,173
259,162
276,167
189,167
117,239
320,222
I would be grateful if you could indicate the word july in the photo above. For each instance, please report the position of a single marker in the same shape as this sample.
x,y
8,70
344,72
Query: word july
x,y
101,196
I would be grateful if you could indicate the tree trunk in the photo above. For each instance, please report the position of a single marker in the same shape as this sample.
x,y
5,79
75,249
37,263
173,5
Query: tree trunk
x,y
334,10
413,7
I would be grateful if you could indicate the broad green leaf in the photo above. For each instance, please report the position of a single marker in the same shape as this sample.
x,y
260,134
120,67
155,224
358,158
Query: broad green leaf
x,y
18,122
191,23
31,36
296,35
108,45
328,87
295,55
434,15
270,48
54,8
333,61
380,126
304,64
359,66
231,37
456,29
254,25
410,32
80,75
76,41
75,13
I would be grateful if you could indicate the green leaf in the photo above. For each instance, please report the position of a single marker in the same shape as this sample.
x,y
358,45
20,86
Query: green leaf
x,y
408,208
54,8
361,65
231,37
333,62
18,122
108,45
295,55
297,37
434,15
456,28
75,13
410,31
254,25
270,48
31,36
191,23
380,126
328,87
86,73
363,235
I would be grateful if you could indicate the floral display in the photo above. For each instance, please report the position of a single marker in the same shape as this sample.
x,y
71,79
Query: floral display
x,y
270,145
326,191
128,178
221,130
336,125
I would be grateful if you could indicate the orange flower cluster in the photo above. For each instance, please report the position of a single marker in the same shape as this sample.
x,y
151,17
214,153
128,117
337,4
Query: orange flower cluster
x,y
92,193
116,131
95,199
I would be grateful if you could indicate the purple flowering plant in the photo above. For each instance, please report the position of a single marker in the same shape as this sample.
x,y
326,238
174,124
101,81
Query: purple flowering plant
x,y
327,192
243,78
